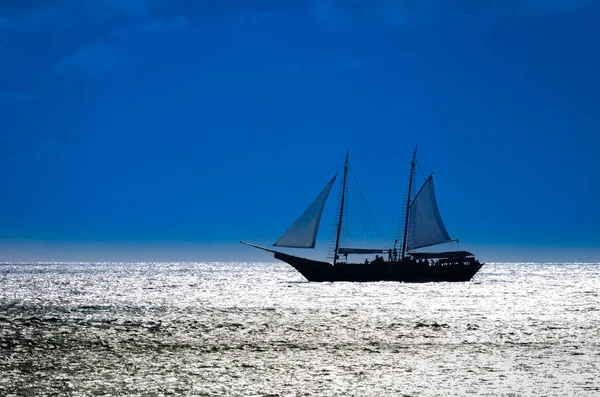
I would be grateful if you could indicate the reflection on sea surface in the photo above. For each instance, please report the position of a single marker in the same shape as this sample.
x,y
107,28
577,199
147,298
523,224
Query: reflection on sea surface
x,y
257,329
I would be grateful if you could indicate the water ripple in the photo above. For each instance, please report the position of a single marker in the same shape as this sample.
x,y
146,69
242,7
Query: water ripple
x,y
257,329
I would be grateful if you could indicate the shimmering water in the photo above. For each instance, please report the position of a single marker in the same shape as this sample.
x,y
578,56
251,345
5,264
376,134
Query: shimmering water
x,y
257,329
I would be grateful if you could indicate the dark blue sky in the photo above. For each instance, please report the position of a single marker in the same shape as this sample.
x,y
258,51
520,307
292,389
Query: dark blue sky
x,y
148,123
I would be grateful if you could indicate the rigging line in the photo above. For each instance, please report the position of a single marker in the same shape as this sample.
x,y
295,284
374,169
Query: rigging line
x,y
420,170
377,231
379,154
336,173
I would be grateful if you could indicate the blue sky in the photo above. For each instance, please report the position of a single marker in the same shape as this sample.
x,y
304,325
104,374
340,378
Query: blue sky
x,y
149,129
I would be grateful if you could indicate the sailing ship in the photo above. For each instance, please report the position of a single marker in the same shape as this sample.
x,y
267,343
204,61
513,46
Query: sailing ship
x,y
423,227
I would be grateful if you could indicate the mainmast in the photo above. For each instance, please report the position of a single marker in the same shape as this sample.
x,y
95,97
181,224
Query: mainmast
x,y
339,225
412,169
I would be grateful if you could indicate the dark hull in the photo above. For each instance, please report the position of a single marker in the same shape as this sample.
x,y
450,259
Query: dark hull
x,y
406,271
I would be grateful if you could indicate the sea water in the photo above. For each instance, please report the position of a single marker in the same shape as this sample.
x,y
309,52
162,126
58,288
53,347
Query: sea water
x,y
259,329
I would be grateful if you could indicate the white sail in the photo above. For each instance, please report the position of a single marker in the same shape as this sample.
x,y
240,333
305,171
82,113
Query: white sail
x,y
303,233
425,223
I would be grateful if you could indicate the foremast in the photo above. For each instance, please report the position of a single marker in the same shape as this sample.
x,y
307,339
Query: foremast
x,y
410,181
341,218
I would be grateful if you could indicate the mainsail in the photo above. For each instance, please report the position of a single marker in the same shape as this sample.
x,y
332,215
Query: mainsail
x,y
425,223
303,233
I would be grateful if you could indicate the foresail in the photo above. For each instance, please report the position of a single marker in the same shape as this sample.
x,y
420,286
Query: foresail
x,y
425,223
303,233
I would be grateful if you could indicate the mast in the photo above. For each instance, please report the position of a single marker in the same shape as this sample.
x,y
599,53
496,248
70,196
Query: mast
x,y
339,225
412,169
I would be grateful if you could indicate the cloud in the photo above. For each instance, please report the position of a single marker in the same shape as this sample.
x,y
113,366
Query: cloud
x,y
177,22
65,14
92,59
128,7
18,98
161,25
251,17
100,18
343,15
555,5
396,14
248,18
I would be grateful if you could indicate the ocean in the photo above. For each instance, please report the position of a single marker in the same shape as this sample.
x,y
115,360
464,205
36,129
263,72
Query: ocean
x,y
258,329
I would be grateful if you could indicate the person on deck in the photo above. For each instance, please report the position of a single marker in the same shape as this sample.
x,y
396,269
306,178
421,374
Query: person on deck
x,y
389,255
395,254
